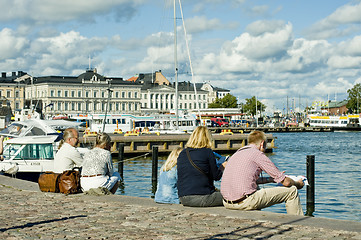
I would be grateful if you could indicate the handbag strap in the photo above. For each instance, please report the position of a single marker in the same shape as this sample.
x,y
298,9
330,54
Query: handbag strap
x,y
193,164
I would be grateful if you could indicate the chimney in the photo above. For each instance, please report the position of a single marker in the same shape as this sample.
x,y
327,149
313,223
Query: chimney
x,y
3,74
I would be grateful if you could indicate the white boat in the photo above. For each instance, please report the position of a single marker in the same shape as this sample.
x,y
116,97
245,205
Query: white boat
x,y
37,127
162,123
30,154
346,122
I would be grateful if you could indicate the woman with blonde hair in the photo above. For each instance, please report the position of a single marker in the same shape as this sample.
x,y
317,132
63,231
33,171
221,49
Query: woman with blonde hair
x,y
167,191
97,168
197,170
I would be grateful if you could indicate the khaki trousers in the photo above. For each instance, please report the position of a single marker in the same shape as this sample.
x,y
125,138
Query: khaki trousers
x,y
267,197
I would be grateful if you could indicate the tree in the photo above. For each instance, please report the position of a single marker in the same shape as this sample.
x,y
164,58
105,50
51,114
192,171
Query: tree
x,y
354,95
250,106
228,101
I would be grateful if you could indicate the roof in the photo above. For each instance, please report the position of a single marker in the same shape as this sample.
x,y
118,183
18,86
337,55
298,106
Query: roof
x,y
336,104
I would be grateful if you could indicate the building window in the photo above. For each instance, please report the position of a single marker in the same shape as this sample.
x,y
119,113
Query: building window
x,y
130,107
17,105
123,94
87,95
117,94
129,94
94,106
72,93
144,96
117,107
103,94
8,93
72,106
79,93
59,106
65,93
17,94
79,106
66,106
95,94
59,93
135,107
136,95
123,106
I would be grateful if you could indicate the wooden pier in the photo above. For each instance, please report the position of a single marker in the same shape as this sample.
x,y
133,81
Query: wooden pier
x,y
143,143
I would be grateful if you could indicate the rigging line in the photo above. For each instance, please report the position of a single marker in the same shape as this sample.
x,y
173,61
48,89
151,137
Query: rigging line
x,y
190,61
130,159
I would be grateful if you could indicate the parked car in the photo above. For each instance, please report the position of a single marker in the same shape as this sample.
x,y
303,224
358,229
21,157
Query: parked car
x,y
220,121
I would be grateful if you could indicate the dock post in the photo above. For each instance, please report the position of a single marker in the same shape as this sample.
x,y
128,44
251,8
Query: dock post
x,y
310,204
154,168
121,159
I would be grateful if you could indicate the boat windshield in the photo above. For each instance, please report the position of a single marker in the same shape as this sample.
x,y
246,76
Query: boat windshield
x,y
29,151
14,129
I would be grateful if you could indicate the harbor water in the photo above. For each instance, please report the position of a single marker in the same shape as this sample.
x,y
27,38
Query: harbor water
x,y
337,171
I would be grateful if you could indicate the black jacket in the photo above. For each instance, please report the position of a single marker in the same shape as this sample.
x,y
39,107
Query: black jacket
x,y
190,180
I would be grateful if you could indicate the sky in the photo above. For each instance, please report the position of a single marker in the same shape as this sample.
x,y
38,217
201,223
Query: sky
x,y
287,53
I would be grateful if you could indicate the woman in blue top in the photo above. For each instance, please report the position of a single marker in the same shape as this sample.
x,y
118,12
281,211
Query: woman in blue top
x,y
167,191
197,170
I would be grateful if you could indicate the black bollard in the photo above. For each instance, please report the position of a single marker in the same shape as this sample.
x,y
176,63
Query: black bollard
x,y
121,159
154,168
310,205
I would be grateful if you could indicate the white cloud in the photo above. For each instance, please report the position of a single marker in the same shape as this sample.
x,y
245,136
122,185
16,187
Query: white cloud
x,y
45,12
11,45
199,24
341,22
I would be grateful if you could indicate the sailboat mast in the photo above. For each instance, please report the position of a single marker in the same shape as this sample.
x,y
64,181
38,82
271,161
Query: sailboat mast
x,y
175,65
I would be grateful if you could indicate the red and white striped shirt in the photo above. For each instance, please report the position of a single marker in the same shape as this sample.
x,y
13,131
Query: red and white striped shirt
x,y
242,171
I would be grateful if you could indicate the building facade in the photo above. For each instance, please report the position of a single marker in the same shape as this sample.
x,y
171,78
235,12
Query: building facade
x,y
87,93
12,88
90,92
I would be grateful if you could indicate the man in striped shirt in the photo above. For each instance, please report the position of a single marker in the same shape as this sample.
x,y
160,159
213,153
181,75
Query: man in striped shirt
x,y
239,186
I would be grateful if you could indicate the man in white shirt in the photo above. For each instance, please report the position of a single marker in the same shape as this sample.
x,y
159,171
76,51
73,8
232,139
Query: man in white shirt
x,y
68,156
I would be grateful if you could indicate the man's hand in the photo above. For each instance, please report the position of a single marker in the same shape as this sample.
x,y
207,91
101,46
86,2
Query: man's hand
x,y
299,184
288,182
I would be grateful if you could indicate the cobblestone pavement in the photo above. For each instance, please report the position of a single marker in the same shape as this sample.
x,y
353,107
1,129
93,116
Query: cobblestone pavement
x,y
37,215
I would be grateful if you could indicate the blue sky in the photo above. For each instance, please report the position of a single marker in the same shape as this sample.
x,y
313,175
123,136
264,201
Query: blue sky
x,y
304,50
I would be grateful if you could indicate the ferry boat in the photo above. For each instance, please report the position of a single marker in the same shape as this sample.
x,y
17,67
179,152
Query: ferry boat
x,y
347,122
162,123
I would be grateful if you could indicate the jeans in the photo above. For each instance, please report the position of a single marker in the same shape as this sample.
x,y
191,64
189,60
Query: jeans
x,y
211,200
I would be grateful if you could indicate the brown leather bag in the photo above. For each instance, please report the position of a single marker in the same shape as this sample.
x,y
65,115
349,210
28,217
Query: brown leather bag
x,y
48,182
69,182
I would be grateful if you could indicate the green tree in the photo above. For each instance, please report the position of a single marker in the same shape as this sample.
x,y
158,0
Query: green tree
x,y
250,106
354,102
228,101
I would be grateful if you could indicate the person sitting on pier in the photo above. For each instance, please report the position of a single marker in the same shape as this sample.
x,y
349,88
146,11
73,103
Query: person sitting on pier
x,y
68,156
167,191
241,176
197,169
97,169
